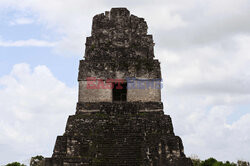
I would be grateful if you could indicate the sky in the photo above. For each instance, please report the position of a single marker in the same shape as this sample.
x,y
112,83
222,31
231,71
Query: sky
x,y
203,47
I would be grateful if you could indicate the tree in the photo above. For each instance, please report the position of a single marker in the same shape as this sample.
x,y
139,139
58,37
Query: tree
x,y
209,162
15,164
243,163
212,162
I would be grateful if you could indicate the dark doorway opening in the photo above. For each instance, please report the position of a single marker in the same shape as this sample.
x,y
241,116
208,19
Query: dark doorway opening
x,y
120,92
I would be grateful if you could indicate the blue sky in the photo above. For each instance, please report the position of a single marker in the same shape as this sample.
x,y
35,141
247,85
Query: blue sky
x,y
203,47
14,28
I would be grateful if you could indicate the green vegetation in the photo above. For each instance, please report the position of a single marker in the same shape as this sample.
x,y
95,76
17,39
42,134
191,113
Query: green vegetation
x,y
37,161
213,162
15,164
34,161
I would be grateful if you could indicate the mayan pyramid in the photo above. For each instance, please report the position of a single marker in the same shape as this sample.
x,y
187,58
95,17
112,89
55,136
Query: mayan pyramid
x,y
119,119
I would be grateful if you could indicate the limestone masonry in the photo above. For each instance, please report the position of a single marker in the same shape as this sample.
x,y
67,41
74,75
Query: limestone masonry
x,y
119,121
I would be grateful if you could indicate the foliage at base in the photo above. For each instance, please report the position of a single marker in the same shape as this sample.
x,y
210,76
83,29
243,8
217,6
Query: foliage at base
x,y
213,162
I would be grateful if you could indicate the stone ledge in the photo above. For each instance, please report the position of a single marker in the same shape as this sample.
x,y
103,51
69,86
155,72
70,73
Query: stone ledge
x,y
149,69
127,107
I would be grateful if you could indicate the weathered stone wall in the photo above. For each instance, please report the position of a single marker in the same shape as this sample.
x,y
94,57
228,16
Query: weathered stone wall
x,y
120,108
138,93
93,95
144,90
121,136
119,35
147,69
144,95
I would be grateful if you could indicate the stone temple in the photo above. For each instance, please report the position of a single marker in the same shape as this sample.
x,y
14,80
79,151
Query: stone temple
x,y
119,119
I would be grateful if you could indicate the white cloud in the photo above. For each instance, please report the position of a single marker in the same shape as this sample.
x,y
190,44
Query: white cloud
x,y
27,43
21,21
175,25
203,89
34,109
205,129
210,69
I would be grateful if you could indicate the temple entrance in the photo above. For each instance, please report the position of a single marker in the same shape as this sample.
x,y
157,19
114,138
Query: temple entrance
x,y
120,92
